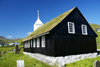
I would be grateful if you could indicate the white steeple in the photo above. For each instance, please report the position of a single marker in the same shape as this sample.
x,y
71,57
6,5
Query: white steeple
x,y
38,22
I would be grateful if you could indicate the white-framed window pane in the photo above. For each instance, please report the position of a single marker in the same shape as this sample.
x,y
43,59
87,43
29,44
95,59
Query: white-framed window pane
x,y
31,43
38,42
34,43
71,27
84,29
28,44
43,41
25,45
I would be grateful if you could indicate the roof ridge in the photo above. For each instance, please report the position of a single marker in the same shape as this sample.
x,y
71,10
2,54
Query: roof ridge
x,y
49,25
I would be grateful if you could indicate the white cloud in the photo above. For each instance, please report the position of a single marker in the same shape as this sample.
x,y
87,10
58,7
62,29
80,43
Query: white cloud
x,y
8,36
29,33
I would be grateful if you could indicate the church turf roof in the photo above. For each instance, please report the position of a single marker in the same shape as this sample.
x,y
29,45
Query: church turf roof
x,y
47,26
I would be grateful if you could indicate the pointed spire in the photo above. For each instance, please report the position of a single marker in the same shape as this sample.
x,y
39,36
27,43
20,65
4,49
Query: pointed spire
x,y
38,14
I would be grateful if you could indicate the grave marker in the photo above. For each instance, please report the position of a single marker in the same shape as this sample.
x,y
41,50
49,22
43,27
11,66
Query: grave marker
x,y
96,64
0,53
20,63
16,49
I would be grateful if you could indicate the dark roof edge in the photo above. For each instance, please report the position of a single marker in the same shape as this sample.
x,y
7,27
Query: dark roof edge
x,y
87,22
63,18
45,33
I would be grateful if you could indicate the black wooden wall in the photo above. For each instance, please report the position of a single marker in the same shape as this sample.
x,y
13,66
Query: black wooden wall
x,y
74,44
50,45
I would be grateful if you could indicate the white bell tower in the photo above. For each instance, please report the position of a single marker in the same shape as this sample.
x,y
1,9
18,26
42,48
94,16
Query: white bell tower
x,y
38,22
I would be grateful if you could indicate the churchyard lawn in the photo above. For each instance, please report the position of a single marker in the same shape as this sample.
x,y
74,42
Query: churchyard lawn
x,y
84,63
9,59
3,48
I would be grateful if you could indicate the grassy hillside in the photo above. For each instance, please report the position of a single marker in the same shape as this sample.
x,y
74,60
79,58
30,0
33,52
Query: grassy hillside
x,y
4,40
94,26
19,41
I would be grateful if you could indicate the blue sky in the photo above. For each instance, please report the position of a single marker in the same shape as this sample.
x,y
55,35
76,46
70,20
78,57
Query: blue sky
x,y
17,17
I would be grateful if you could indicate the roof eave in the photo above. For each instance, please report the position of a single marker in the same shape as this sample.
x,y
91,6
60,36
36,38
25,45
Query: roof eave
x,y
45,33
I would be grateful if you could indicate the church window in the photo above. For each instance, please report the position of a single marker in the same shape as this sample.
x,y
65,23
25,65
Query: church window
x,y
25,44
38,42
43,41
28,44
34,43
71,27
84,29
31,43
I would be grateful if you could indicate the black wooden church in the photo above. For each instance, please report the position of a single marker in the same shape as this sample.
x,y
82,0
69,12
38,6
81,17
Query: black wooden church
x,y
67,34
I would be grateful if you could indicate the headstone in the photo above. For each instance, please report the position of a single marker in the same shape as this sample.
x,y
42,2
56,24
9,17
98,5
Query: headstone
x,y
20,63
16,49
0,53
96,63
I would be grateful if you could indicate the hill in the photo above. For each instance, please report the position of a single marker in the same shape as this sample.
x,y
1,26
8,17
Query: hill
x,y
94,25
4,40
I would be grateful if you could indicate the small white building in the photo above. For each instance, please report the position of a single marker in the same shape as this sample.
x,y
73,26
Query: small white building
x,y
15,43
11,43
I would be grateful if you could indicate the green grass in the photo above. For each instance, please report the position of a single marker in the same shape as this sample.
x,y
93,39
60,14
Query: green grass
x,y
98,47
84,63
10,60
95,26
48,26
19,41
3,48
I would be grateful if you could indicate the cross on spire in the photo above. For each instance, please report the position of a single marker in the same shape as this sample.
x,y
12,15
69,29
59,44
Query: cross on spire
x,y
38,14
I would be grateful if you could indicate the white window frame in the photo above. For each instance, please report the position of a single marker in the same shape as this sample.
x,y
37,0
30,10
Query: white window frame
x,y
73,28
84,30
43,41
28,44
25,45
38,42
34,43
31,43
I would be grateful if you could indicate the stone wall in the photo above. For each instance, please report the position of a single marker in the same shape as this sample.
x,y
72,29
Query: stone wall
x,y
60,60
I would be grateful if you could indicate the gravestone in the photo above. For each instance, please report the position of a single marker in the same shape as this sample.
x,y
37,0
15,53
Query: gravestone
x,y
0,53
96,63
20,63
16,49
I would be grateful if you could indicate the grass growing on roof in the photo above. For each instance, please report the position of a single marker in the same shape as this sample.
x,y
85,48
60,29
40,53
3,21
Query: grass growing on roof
x,y
49,25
